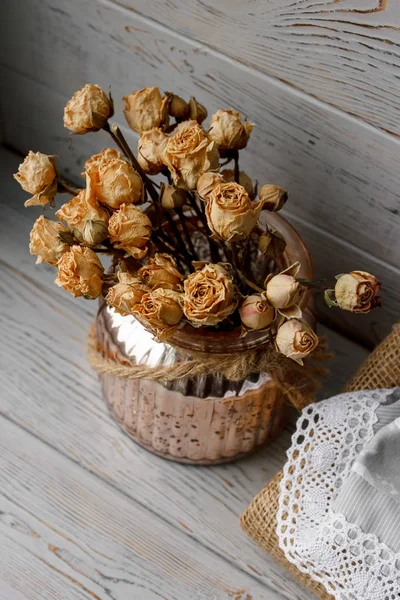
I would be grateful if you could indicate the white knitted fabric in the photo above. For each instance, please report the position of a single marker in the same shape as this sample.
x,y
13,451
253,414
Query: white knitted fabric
x,y
351,563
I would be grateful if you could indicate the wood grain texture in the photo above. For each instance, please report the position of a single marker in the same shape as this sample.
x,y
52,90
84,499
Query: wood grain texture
x,y
55,396
344,52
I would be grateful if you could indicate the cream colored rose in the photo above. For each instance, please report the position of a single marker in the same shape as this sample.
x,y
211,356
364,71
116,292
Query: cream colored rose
x,y
189,153
45,241
80,272
244,180
284,292
197,112
88,110
207,182
86,218
357,292
172,197
150,148
273,197
130,230
160,311
113,181
230,213
126,294
37,175
295,340
161,272
256,313
228,131
146,109
209,295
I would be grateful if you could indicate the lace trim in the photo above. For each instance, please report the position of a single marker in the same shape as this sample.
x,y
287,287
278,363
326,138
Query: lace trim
x,y
351,564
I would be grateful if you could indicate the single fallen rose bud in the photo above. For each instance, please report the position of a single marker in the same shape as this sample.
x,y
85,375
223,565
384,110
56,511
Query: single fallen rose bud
x,y
207,182
228,131
256,313
295,340
357,292
197,112
161,311
80,272
244,180
284,292
177,107
146,109
272,244
45,241
130,230
88,110
273,197
86,219
150,148
173,198
161,272
126,294
38,176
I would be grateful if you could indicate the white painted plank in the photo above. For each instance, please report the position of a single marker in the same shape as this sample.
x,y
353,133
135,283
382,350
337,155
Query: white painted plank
x,y
57,397
342,175
94,542
346,53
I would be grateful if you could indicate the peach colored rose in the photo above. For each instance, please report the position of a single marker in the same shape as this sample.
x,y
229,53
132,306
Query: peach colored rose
x,y
130,230
256,313
172,197
98,160
189,153
197,112
244,180
80,272
177,107
273,197
88,110
113,181
272,244
357,291
86,218
160,311
207,182
209,295
126,294
146,109
37,175
150,148
295,340
228,131
284,292
45,241
161,272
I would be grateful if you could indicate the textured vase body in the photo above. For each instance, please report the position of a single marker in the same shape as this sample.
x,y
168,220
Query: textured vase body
x,y
204,420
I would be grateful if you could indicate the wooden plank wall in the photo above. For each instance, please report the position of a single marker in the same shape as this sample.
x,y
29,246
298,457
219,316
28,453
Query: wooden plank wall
x,y
317,77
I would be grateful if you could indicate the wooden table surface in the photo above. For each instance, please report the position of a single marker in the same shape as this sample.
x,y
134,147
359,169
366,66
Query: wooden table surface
x,y
85,513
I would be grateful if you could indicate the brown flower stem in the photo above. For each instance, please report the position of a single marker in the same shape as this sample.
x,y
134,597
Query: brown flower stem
x,y
63,188
215,257
236,264
186,233
236,168
165,246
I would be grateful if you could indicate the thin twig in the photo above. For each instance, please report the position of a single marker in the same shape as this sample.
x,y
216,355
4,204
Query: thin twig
x,y
236,169
63,188
186,233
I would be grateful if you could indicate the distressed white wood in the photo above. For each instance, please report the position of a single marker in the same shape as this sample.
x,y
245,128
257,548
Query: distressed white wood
x,y
346,52
52,393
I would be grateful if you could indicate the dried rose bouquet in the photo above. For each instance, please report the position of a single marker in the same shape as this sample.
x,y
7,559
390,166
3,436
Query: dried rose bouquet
x,y
186,250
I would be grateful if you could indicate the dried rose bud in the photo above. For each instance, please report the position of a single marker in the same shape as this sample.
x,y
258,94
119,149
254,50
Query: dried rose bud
x,y
230,213
209,296
161,311
126,294
295,340
244,180
113,181
146,109
88,110
357,292
45,241
130,230
178,107
150,148
228,131
80,272
207,182
189,153
272,244
284,293
161,272
197,112
37,175
256,313
86,218
172,197
273,197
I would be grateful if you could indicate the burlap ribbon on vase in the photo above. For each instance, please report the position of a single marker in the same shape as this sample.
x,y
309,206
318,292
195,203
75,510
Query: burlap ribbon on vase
x,y
380,370
298,383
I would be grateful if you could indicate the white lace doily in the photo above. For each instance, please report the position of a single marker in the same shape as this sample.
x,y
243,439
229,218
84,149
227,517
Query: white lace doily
x,y
351,564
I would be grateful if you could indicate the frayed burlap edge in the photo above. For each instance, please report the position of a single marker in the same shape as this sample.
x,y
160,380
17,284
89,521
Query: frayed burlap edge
x,y
380,370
